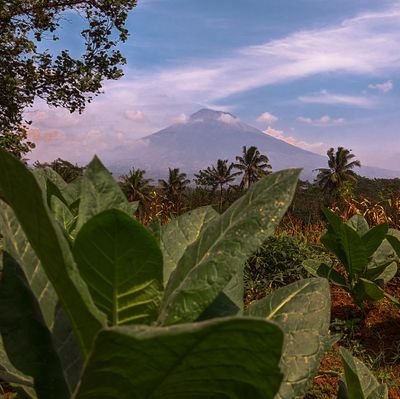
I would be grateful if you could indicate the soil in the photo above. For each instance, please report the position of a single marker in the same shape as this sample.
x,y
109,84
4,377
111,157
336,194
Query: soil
x,y
374,339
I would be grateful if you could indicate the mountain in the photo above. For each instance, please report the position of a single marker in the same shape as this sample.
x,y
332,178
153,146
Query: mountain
x,y
209,135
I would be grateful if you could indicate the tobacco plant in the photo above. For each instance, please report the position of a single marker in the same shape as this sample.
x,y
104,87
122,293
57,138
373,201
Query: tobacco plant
x,y
366,255
95,305
358,382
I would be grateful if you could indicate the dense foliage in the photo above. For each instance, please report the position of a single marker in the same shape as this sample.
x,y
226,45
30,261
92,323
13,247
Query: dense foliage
x,y
16,143
29,71
91,300
116,286
278,262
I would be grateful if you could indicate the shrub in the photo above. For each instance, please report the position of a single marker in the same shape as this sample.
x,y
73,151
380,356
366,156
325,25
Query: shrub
x,y
277,263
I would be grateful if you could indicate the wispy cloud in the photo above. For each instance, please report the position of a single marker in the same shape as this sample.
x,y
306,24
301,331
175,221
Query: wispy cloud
x,y
384,87
324,97
279,134
364,45
324,121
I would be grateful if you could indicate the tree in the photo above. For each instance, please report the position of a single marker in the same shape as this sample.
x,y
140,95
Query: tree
x,y
215,177
136,187
68,171
339,172
16,143
253,165
174,187
28,71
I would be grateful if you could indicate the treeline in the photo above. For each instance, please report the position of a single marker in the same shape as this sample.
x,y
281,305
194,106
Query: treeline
x,y
337,186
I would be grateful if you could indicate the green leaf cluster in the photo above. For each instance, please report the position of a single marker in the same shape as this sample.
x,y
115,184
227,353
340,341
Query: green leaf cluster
x,y
95,305
366,254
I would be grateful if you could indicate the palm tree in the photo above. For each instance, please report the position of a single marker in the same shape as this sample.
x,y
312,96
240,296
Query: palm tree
x,y
218,176
253,165
174,187
339,172
135,186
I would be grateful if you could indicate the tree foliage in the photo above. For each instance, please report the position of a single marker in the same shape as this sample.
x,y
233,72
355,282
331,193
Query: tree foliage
x,y
16,143
28,70
253,165
217,177
173,188
68,171
135,186
339,171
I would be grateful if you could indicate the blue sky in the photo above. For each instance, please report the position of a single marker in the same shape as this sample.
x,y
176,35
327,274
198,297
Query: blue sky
x,y
315,73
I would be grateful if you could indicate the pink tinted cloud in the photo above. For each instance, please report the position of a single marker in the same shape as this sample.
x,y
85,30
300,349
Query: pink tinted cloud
x,y
279,134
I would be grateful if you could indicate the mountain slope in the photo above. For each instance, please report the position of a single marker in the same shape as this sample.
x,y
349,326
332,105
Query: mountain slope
x,y
210,135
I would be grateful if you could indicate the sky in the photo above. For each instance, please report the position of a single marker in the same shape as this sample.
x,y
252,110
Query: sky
x,y
315,73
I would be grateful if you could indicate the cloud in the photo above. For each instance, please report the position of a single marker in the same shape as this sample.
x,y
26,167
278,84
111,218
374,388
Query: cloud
x,y
136,116
324,97
268,118
52,118
325,120
181,119
366,45
384,87
279,134
229,119
39,136
363,45
305,120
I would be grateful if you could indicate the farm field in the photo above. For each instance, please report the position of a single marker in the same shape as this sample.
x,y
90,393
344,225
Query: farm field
x,y
199,199
324,276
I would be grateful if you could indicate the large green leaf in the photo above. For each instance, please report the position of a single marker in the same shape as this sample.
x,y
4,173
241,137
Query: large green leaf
x,y
356,255
366,289
394,239
122,266
99,192
345,242
229,302
384,272
26,338
209,264
8,372
52,182
63,214
67,347
302,310
73,189
373,239
224,358
331,238
18,246
179,233
360,383
359,224
318,269
21,191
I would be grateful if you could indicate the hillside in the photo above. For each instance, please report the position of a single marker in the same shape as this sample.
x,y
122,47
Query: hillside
x,y
209,135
